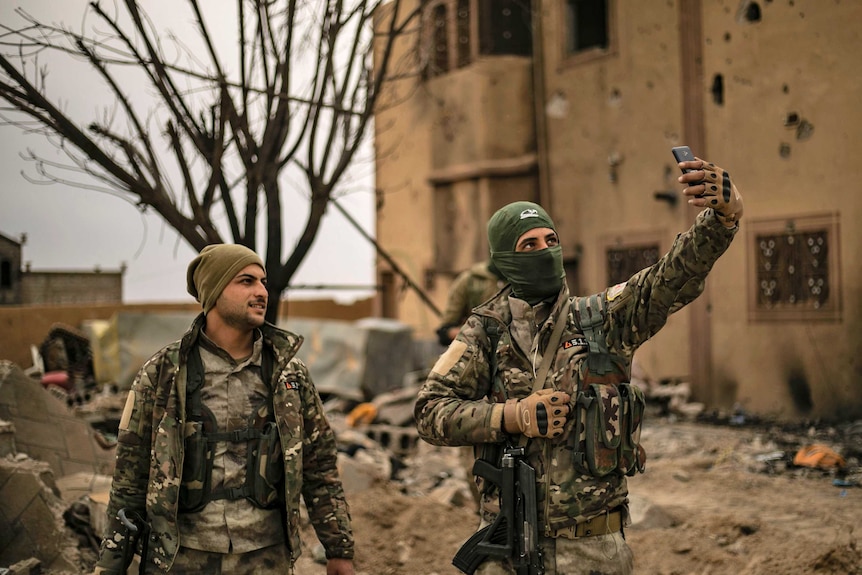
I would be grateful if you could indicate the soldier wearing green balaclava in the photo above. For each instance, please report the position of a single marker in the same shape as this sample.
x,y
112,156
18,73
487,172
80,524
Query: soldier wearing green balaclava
x,y
536,275
540,378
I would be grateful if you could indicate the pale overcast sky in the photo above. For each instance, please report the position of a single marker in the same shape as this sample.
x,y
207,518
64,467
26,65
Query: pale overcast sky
x,y
74,229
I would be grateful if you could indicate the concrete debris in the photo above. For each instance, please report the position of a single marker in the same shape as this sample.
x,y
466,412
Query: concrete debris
x,y
57,449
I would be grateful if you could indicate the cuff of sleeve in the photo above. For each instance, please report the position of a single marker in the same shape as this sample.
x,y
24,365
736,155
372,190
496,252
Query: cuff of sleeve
x,y
497,417
719,224
510,417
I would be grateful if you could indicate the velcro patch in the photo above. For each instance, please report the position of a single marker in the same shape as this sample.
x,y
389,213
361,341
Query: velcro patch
x,y
127,411
616,290
450,357
576,341
288,384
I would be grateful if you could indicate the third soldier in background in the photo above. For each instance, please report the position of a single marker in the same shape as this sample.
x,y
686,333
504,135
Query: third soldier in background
x,y
470,288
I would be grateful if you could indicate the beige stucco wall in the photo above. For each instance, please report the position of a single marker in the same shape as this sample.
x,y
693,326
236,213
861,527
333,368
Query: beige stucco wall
x,y
801,58
627,106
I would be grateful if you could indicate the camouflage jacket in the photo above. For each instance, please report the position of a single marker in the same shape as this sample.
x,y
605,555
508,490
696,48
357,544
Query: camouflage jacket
x,y
150,454
458,405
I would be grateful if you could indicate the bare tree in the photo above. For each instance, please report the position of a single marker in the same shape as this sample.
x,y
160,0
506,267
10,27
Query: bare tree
x,y
296,91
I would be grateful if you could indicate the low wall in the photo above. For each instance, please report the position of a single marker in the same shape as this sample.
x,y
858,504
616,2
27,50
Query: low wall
x,y
24,325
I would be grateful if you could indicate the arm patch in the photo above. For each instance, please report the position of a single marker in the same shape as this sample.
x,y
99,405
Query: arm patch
x,y
451,356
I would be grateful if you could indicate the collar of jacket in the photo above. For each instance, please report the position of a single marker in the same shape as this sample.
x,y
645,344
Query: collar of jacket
x,y
498,307
283,343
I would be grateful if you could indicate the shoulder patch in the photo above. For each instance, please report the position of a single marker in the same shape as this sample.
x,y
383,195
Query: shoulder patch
x,y
283,379
615,291
127,411
452,354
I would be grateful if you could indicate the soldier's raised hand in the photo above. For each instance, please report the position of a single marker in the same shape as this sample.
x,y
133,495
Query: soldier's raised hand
x,y
711,186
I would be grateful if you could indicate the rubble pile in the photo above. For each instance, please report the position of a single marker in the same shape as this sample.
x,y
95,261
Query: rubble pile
x,y
57,453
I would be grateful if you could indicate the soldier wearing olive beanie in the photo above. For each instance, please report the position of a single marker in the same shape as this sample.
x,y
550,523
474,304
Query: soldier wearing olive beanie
x,y
534,276
210,272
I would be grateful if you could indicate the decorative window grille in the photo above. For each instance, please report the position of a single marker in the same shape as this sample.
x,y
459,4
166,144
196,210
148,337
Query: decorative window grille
x,y
624,262
795,269
440,44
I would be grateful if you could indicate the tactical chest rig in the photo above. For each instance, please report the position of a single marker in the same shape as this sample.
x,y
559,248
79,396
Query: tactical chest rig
x,y
608,410
264,464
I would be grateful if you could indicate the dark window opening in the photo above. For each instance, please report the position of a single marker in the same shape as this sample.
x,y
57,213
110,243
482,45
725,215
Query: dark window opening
x,y
505,27
718,89
623,263
463,19
587,24
5,274
440,57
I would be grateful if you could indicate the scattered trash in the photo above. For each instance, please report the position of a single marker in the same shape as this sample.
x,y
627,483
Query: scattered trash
x,y
818,456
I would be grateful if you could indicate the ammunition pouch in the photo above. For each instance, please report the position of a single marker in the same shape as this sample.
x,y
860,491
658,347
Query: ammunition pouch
x,y
609,417
265,468
197,470
608,410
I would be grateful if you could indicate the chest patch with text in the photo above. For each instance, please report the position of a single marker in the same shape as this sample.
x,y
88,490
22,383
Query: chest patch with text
x,y
575,341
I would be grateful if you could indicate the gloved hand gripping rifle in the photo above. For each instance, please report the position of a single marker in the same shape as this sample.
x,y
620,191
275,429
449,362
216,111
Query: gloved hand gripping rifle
x,y
514,533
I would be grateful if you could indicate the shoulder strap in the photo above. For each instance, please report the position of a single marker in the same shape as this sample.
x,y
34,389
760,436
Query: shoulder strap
x,y
267,362
550,351
591,318
195,380
492,328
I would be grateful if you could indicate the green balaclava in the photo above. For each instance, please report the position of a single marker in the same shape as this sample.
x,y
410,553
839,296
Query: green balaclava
x,y
214,268
534,276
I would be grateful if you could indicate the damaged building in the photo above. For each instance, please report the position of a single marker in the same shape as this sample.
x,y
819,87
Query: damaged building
x,y
575,104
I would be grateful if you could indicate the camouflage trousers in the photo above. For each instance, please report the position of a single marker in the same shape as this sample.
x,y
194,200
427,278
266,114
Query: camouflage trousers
x,y
599,555
272,560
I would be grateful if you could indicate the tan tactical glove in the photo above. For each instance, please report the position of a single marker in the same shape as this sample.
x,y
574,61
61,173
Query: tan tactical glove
x,y
721,195
541,414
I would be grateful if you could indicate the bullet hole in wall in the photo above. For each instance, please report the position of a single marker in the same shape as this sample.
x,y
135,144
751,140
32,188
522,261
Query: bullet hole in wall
x,y
718,89
785,88
752,12
804,130
727,36
784,150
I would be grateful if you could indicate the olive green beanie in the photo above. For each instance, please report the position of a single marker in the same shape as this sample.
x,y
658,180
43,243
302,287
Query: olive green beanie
x,y
214,268
511,221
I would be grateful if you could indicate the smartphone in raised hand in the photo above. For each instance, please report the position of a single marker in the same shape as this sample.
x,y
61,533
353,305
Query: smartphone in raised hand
x,y
683,154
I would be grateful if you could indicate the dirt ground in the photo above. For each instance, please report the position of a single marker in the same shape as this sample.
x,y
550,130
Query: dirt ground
x,y
715,500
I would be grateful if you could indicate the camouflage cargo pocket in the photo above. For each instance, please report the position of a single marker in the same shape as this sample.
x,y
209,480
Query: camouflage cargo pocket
x,y
266,467
602,429
197,469
632,454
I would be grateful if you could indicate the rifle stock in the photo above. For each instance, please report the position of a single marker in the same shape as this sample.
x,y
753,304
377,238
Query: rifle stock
x,y
514,532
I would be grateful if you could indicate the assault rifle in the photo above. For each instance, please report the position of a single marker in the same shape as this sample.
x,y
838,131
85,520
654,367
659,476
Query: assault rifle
x,y
137,532
514,532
